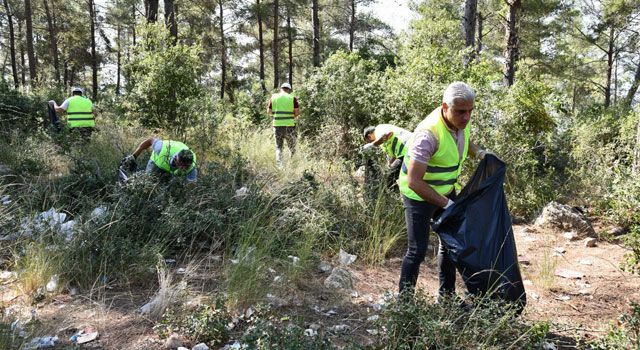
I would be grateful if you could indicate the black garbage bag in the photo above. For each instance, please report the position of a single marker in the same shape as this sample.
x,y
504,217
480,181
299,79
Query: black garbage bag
x,y
478,234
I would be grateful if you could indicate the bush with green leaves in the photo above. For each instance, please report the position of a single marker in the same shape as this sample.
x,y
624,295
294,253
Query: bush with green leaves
x,y
420,323
20,111
207,323
163,81
625,334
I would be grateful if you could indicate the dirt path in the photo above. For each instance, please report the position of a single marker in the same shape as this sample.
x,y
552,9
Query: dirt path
x,y
582,306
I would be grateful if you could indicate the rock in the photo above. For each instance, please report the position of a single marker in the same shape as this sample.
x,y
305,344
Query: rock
x,y
569,274
324,267
590,242
340,278
555,215
173,342
201,346
345,258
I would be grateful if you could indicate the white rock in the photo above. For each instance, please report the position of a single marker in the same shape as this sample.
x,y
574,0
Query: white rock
x,y
345,258
340,278
201,346
564,217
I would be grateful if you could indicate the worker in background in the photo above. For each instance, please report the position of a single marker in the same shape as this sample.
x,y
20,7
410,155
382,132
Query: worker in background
x,y
168,158
284,108
81,114
393,140
429,179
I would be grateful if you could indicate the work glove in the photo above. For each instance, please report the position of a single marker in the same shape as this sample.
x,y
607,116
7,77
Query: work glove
x,y
483,153
130,158
368,146
449,203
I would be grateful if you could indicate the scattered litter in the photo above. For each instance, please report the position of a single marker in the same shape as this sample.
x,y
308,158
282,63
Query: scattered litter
x,y
310,332
294,259
41,343
339,328
6,200
98,212
586,262
534,295
355,294
182,348
340,278
527,282
373,318
549,346
234,346
5,275
324,267
249,312
235,261
315,326
331,312
564,273
530,239
563,298
73,291
560,250
85,335
203,346
181,271
171,263
241,193
372,331
345,258
278,279
52,285
272,271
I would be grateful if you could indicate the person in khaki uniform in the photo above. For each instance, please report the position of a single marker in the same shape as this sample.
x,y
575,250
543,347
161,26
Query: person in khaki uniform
x,y
284,109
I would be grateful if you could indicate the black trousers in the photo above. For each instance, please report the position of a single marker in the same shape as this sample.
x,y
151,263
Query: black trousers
x,y
418,215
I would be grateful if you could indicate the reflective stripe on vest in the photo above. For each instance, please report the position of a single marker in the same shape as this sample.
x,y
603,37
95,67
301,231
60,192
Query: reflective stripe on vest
x,y
80,113
396,145
163,159
444,167
282,107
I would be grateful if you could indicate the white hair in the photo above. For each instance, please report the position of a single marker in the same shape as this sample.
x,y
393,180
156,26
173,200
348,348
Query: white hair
x,y
458,91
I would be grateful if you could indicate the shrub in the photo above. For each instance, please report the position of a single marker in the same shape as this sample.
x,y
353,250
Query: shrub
x,y
206,323
623,335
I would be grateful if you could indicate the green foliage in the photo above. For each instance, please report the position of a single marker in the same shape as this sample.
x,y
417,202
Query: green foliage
x,y
623,335
206,323
420,323
163,80
19,111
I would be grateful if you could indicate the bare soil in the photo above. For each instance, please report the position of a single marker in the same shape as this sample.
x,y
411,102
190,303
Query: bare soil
x,y
582,306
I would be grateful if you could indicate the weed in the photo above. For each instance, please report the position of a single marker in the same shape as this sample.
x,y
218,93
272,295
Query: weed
x,y
206,323
547,269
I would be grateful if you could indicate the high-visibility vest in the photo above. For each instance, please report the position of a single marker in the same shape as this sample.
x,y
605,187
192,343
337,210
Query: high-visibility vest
x,y
163,159
80,113
396,145
444,167
282,108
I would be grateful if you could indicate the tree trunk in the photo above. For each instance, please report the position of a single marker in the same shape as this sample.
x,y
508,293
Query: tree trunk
x,y
12,45
133,27
94,57
511,49
170,19
151,10
53,41
223,50
29,36
352,25
118,57
315,21
261,45
635,169
479,41
633,89
610,61
276,45
290,39
469,22
21,49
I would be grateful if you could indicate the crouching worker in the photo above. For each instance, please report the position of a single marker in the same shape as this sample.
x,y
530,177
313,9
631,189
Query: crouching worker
x,y
168,158
393,140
